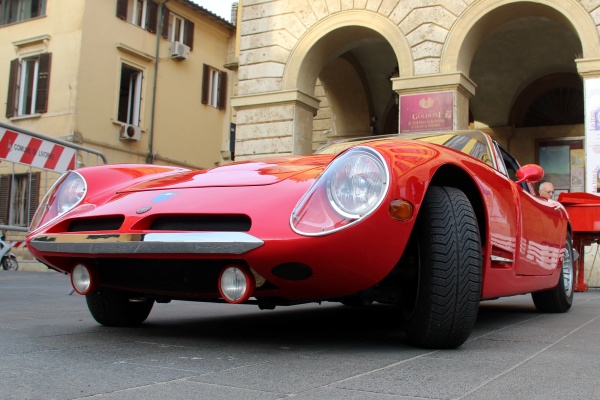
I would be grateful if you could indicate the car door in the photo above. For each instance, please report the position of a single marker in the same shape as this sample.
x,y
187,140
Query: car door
x,y
541,227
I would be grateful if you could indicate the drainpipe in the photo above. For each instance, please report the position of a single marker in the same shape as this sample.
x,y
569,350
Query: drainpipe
x,y
159,29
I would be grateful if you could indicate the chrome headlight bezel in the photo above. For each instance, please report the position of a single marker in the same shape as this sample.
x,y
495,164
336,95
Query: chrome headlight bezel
x,y
354,194
350,189
68,192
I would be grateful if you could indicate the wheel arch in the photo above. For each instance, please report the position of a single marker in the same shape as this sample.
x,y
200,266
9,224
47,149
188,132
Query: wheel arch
x,y
454,176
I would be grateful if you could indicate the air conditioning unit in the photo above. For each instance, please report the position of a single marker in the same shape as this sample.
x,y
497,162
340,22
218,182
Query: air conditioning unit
x,y
180,51
130,132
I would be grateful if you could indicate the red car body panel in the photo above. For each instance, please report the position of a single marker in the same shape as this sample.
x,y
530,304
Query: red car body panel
x,y
523,235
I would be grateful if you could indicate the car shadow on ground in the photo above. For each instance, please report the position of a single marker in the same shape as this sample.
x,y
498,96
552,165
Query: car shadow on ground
x,y
307,325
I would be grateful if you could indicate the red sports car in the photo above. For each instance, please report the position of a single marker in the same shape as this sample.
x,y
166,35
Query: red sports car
x,y
433,223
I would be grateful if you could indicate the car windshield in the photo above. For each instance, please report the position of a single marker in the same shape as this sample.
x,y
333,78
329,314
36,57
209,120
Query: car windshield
x,y
473,143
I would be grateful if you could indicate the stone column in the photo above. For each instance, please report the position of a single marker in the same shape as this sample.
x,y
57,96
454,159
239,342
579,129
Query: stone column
x,y
589,69
275,123
462,87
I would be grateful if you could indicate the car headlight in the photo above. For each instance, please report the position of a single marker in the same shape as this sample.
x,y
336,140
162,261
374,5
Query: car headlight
x,y
350,189
70,193
66,193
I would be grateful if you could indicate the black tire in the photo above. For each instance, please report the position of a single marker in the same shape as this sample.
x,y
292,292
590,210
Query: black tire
x,y
443,289
559,299
10,264
113,308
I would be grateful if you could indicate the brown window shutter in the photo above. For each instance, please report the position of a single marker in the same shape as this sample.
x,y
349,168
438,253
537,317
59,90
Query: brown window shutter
x,y
222,99
205,83
43,83
13,81
165,22
151,17
5,181
34,195
188,34
38,9
122,9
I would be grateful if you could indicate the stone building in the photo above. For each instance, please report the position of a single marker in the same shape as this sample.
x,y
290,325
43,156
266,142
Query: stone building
x,y
310,71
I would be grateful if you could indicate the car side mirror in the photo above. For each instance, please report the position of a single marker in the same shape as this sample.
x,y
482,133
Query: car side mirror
x,y
530,173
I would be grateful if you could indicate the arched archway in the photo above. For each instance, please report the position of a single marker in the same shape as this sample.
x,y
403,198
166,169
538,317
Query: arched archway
x,y
314,49
483,18
505,46
522,56
346,61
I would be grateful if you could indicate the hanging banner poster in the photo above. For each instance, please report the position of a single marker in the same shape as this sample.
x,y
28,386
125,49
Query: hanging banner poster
x,y
592,135
427,112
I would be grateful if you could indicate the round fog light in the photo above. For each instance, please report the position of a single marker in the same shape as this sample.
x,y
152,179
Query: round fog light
x,y
82,279
236,284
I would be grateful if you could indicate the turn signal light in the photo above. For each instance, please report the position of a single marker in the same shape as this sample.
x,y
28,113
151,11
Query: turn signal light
x,y
401,210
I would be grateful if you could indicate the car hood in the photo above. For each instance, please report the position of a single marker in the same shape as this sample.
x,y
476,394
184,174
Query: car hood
x,y
249,173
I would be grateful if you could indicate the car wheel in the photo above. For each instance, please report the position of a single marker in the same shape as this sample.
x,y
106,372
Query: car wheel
x,y
10,264
114,308
442,284
559,299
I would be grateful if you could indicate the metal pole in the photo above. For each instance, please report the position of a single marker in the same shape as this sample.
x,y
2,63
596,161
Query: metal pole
x,y
159,28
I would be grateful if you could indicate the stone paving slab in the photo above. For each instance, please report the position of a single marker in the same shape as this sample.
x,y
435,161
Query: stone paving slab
x,y
51,348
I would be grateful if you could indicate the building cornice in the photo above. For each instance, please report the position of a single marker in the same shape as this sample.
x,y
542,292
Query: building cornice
x,y
282,97
134,52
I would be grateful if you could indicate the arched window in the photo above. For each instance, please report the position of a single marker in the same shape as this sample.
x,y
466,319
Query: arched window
x,y
553,100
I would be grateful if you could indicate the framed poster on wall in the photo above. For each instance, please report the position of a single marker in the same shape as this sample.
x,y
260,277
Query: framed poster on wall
x,y
563,163
427,112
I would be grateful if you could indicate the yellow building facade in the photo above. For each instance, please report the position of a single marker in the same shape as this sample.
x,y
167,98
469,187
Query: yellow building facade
x,y
137,80
102,75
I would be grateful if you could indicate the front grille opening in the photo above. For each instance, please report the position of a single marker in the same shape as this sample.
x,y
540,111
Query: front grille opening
x,y
111,223
214,223
174,276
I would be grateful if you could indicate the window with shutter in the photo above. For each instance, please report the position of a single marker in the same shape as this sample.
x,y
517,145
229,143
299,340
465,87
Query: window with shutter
x,y
152,17
143,13
122,9
19,198
222,100
12,11
188,36
13,78
5,184
43,83
138,13
205,83
130,95
214,87
176,31
34,197
28,87
166,16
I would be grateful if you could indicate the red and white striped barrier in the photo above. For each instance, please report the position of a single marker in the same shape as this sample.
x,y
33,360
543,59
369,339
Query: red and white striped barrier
x,y
18,244
24,149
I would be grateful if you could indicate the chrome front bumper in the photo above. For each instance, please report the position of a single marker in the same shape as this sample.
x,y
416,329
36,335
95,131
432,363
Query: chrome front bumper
x,y
150,243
